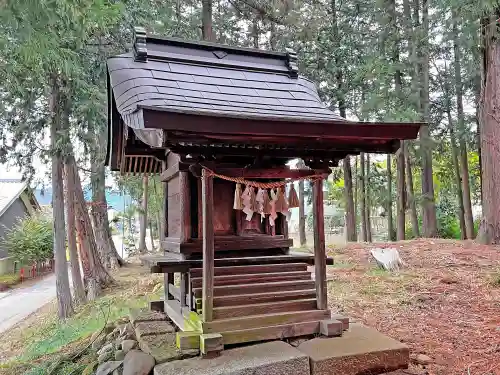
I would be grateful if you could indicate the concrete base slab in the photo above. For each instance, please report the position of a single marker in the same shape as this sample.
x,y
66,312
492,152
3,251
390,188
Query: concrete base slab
x,y
271,358
163,348
360,351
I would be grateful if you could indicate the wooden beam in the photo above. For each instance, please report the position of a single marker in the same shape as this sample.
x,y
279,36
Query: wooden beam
x,y
318,129
249,299
168,279
164,217
208,247
319,245
169,173
184,288
185,207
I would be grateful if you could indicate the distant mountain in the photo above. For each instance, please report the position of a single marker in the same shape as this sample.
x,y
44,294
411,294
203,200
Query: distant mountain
x,y
114,198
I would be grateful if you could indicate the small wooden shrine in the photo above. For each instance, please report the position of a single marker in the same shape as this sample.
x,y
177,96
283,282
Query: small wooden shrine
x,y
220,125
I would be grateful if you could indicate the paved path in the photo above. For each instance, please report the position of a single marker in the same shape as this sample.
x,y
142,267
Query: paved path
x,y
17,304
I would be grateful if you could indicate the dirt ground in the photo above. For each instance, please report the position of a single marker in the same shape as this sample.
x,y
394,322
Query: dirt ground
x,y
445,303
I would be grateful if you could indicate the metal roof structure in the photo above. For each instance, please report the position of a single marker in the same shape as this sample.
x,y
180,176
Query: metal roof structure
x,y
207,99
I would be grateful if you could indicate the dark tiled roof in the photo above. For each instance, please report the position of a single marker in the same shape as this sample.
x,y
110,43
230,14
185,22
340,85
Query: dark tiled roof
x,y
191,78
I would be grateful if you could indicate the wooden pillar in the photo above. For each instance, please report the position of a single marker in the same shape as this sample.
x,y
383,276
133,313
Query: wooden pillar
x,y
168,278
208,246
184,288
319,245
164,229
185,206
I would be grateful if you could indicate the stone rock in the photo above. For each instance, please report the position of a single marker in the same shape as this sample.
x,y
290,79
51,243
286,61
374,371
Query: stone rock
x,y
112,336
138,363
105,348
119,355
360,350
104,357
98,343
271,358
145,315
128,345
153,328
109,328
108,367
126,329
122,320
163,348
421,359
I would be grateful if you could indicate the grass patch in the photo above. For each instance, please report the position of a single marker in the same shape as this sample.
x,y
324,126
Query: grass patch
x,y
9,279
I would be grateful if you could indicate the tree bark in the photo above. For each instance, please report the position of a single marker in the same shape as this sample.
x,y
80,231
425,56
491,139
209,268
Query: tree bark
x,y
143,216
151,236
272,36
206,20
255,32
58,102
390,227
464,163
76,275
489,231
400,186
95,274
368,201
356,195
429,207
349,201
104,241
364,221
410,191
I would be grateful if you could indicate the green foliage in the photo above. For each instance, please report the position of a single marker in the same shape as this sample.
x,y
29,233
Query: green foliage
x,y
30,240
9,279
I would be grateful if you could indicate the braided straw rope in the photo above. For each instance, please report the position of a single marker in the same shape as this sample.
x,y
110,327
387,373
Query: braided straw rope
x,y
262,185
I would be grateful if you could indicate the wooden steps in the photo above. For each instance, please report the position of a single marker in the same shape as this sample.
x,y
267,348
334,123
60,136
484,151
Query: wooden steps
x,y
196,282
245,299
264,320
271,332
227,290
252,269
264,308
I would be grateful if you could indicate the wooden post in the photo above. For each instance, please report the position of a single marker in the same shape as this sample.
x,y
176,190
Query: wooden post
x,y
168,278
165,206
319,245
184,288
185,206
208,246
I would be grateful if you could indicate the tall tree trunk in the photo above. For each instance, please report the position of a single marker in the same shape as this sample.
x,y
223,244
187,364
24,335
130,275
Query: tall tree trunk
x,y
95,274
340,93
429,207
349,201
206,20
390,227
400,186
489,231
104,241
364,221
151,236
255,32
368,201
410,191
76,276
464,164
57,103
356,195
272,36
143,216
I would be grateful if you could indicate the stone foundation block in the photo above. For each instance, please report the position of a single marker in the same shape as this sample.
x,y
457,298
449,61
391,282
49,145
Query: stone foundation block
x,y
271,358
361,350
331,328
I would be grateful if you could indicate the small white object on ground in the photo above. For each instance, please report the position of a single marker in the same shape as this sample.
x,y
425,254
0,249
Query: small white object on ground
x,y
387,259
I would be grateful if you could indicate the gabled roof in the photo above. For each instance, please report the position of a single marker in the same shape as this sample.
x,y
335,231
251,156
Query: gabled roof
x,y
199,98
10,190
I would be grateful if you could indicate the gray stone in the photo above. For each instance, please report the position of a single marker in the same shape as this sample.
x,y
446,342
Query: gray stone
x,y
119,355
153,328
112,336
126,329
162,347
271,358
105,348
109,328
361,350
98,343
138,363
128,345
421,359
108,367
104,357
145,315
